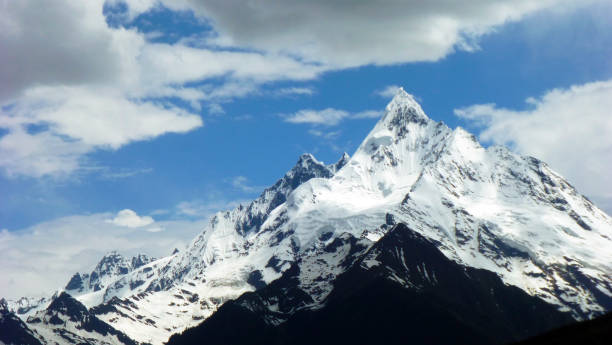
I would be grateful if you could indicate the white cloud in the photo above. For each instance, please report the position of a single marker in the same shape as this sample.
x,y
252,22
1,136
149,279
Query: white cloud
x,y
388,91
328,116
42,258
57,41
89,86
71,44
216,109
104,119
241,183
176,64
131,219
368,114
155,229
110,174
38,154
77,121
345,34
570,129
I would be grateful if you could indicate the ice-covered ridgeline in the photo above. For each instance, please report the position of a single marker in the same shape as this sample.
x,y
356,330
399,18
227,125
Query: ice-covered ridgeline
x,y
486,207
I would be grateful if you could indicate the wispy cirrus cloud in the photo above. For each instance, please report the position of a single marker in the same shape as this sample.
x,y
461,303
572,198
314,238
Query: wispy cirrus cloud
x,y
242,183
324,134
328,116
325,117
367,114
111,174
204,208
293,91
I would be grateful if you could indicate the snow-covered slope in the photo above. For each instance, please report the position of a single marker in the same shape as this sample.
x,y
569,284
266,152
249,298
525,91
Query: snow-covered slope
x,y
112,266
399,290
27,306
67,321
483,207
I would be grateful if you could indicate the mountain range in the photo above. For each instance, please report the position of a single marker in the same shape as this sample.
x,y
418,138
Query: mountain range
x,y
421,234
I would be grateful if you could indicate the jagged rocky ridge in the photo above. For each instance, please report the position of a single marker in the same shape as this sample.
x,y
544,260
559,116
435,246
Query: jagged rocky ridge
x,y
13,330
485,208
105,273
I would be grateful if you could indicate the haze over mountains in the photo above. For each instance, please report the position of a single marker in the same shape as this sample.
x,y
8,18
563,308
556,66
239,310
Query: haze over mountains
x,y
421,219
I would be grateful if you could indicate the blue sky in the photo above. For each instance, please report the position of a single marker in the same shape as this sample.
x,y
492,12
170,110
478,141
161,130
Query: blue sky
x,y
178,109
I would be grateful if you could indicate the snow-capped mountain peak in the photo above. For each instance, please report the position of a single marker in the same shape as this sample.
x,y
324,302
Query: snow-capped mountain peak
x,y
486,208
112,266
340,163
403,109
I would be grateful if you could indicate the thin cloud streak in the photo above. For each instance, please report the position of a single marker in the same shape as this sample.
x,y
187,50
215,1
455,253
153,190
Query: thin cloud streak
x,y
329,116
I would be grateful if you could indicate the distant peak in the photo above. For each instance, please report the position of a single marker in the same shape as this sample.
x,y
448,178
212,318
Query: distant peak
x,y
67,305
112,254
75,283
404,108
109,262
141,260
61,301
340,163
3,304
306,160
63,296
304,157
